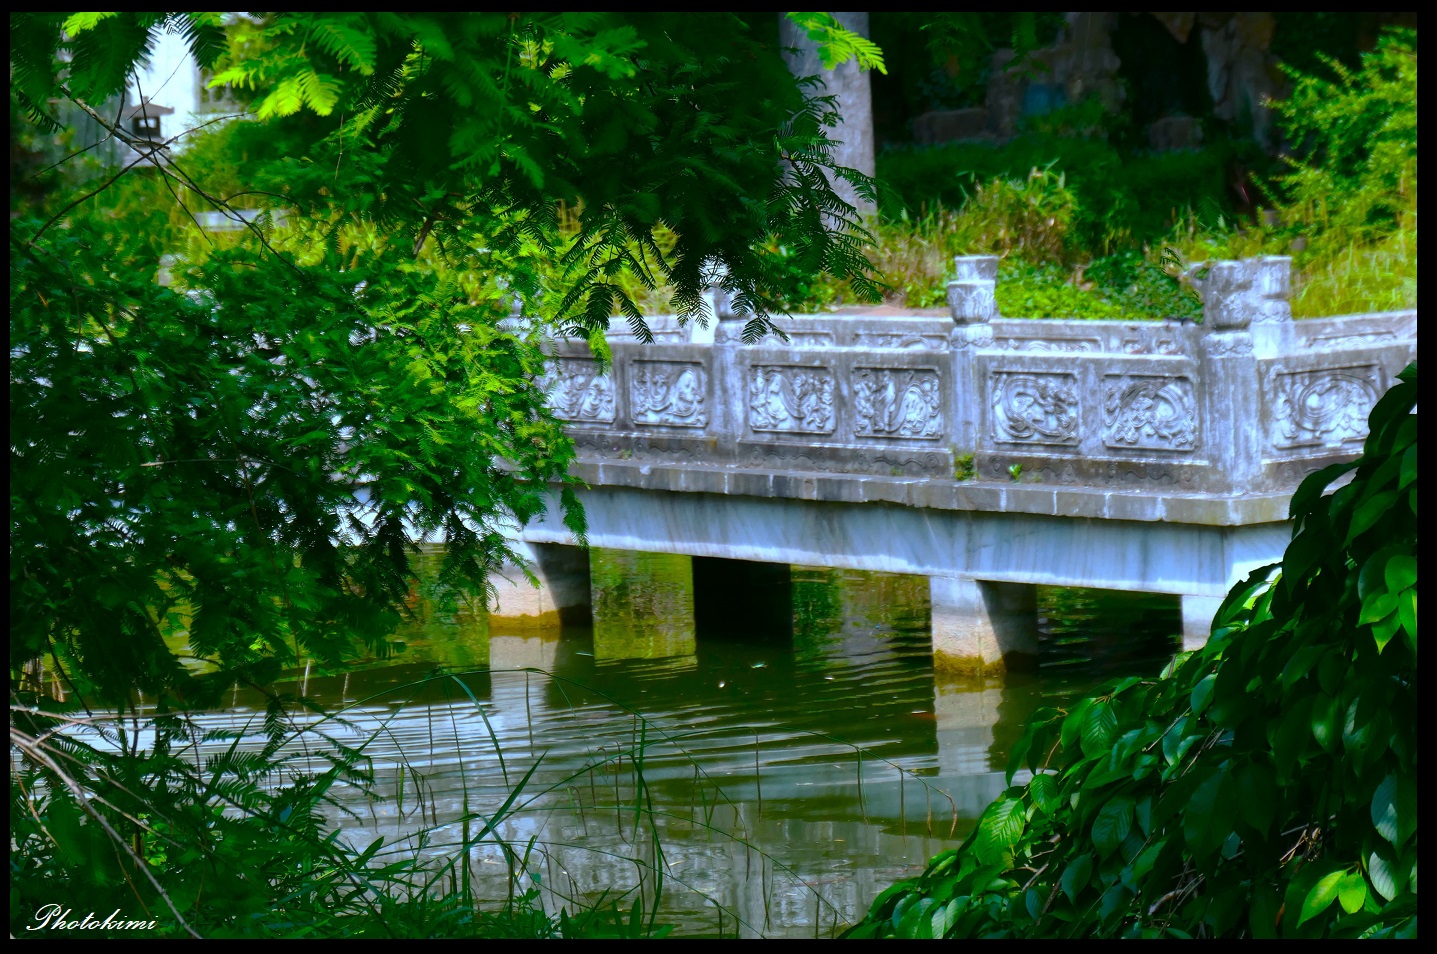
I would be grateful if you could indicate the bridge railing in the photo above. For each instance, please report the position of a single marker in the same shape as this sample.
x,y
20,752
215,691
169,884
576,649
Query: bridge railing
x,y
1246,401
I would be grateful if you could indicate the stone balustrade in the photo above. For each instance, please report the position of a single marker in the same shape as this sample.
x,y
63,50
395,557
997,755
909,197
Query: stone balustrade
x,y
990,455
1246,402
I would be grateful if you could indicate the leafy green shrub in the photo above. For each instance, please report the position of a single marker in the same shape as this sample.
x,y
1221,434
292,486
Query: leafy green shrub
x,y
1264,786
1049,291
1121,200
1346,210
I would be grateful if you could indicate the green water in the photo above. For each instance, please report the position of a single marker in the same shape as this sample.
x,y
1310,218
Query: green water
x,y
779,776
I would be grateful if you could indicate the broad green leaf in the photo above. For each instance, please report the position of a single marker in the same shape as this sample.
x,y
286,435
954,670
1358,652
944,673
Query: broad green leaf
x,y
1324,722
999,829
1376,607
1111,827
1210,812
1384,809
1409,467
1319,897
1385,629
1407,611
1075,876
1369,512
1202,694
1098,726
1044,790
1352,892
1400,572
1383,876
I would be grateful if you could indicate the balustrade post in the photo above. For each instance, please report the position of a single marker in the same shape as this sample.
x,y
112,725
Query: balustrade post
x,y
972,299
729,390
1246,315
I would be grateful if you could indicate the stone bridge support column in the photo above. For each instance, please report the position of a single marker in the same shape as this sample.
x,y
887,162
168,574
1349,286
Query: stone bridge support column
x,y
561,596
1198,613
979,626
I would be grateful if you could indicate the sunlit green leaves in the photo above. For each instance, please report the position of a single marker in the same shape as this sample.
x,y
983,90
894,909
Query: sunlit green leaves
x,y
1322,894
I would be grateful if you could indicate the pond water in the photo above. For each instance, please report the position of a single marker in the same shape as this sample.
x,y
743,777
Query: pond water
x,y
778,777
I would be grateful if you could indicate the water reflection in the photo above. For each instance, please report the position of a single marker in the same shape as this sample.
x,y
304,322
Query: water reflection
x,y
780,780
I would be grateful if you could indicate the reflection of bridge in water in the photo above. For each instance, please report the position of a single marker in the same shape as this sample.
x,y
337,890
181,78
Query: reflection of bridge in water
x,y
988,455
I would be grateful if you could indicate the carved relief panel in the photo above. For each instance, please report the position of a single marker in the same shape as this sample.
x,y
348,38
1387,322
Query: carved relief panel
x,y
790,399
578,393
1034,407
1325,407
1149,412
898,403
668,393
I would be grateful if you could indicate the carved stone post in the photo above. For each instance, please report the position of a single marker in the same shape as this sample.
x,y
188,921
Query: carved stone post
x,y
1246,314
729,389
973,302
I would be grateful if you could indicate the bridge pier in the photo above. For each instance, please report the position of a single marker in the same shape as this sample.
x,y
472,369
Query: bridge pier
x,y
1198,613
562,595
983,626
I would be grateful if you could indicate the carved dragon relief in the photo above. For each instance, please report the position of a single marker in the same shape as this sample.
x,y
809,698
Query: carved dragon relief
x,y
790,399
897,403
1327,407
1034,407
1150,412
668,393
578,393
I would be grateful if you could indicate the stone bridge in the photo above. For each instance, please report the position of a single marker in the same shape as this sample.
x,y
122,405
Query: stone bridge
x,y
988,454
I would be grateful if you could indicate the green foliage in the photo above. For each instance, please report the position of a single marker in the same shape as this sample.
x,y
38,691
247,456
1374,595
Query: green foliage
x,y
1262,787
227,425
837,45
1121,201
268,467
1346,209
479,123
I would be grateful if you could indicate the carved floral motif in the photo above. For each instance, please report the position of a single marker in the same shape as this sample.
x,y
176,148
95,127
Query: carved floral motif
x,y
1327,407
578,393
894,402
794,400
1150,412
668,393
1034,407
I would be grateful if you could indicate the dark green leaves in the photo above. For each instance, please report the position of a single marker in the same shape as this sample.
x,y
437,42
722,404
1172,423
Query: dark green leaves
x,y
1111,827
1264,786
